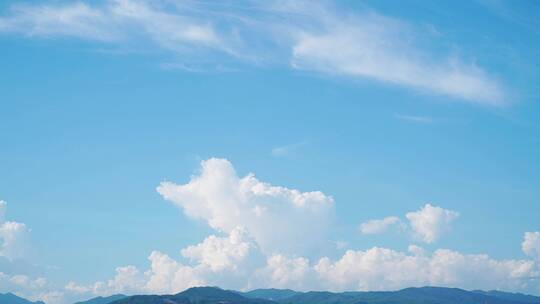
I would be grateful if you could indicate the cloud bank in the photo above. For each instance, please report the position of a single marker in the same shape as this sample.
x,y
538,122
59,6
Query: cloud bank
x,y
249,216
317,37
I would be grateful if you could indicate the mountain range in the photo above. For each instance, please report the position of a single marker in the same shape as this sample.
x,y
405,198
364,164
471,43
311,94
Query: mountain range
x,y
9,298
215,295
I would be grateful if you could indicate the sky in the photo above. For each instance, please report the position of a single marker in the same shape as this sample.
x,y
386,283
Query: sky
x,y
151,146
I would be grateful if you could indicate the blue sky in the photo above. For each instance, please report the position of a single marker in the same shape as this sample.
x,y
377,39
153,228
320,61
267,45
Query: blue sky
x,y
425,114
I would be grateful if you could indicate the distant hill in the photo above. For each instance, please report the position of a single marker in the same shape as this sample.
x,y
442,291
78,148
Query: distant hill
x,y
214,295
195,295
423,295
9,298
511,296
270,294
103,300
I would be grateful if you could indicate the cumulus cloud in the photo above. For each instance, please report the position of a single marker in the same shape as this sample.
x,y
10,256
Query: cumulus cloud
x,y
386,269
279,219
26,286
14,237
234,258
226,261
427,224
431,222
372,269
232,253
378,226
286,272
308,36
531,244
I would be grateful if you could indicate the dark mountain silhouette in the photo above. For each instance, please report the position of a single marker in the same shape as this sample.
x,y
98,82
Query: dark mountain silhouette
x,y
215,295
271,294
422,295
510,296
196,295
103,300
9,298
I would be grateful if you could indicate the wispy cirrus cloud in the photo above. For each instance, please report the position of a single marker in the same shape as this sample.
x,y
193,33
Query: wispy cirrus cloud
x,y
317,37
414,118
287,149
369,47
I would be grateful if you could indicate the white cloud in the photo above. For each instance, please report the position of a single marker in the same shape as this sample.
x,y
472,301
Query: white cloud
x,y
3,207
75,19
280,219
238,261
372,269
287,149
414,118
375,47
170,276
427,224
386,269
224,253
286,272
378,226
306,35
118,21
430,222
14,237
531,244
23,285
416,250
235,259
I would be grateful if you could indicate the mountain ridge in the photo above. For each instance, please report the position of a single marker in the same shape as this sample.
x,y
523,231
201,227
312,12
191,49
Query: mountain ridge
x,y
216,295
10,298
412,295
103,300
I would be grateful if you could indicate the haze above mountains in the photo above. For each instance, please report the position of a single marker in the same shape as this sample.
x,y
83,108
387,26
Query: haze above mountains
x,y
215,295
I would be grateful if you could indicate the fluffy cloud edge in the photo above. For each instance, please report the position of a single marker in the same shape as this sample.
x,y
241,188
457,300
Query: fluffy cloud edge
x,y
378,226
428,224
531,244
14,237
280,219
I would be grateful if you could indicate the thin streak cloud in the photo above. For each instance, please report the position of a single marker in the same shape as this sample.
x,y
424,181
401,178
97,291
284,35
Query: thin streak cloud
x,y
311,37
